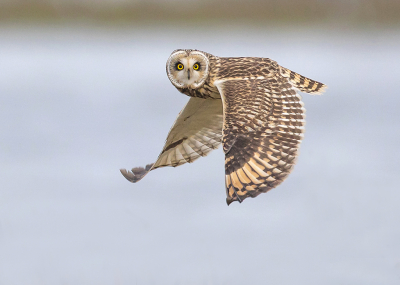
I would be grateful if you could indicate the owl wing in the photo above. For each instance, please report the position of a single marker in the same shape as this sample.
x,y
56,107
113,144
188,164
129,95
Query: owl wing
x,y
263,127
196,132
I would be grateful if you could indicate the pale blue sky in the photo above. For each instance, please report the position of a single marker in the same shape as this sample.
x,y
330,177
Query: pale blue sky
x,y
78,103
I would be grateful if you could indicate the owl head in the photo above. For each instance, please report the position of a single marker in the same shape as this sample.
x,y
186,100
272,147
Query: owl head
x,y
187,68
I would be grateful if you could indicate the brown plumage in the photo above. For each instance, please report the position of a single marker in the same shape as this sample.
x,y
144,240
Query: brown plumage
x,y
249,104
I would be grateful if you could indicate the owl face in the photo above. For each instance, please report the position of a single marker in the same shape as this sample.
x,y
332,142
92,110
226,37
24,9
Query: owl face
x,y
187,68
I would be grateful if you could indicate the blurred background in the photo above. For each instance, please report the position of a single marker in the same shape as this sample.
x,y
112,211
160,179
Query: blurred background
x,y
83,93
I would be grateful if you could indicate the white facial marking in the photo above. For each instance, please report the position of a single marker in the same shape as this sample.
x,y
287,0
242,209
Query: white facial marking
x,y
188,77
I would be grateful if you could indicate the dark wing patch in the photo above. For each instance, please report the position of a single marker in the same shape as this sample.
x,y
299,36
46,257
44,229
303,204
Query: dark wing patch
x,y
263,127
174,144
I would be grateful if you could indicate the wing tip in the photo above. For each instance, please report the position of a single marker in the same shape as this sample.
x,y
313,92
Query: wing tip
x,y
251,194
136,174
229,200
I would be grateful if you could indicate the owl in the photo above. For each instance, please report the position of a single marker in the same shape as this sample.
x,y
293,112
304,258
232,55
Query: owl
x,y
249,104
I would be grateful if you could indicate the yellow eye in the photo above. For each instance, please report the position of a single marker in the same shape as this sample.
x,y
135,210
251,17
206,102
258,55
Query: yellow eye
x,y
179,66
196,66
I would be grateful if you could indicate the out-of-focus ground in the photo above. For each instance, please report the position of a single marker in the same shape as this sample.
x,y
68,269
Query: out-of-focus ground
x,y
354,12
82,97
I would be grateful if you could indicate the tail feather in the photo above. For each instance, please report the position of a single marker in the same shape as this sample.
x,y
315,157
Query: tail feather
x,y
303,83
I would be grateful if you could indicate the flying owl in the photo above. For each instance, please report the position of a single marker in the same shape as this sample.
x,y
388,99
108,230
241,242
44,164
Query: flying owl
x,y
250,104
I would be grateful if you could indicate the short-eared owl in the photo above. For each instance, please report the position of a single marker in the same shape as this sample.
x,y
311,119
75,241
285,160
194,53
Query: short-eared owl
x,y
249,104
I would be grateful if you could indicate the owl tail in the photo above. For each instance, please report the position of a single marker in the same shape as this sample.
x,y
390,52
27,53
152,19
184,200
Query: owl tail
x,y
303,83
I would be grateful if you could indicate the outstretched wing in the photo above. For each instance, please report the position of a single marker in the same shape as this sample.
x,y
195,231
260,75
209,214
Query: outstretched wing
x,y
196,132
263,127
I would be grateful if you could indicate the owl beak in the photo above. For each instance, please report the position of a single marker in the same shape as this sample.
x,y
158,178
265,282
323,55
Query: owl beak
x,y
188,74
